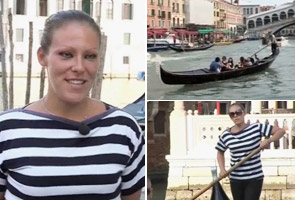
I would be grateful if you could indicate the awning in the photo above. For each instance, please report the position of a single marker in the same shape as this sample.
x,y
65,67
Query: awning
x,y
205,31
227,31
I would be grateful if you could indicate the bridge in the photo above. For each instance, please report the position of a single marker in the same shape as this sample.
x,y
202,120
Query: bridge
x,y
271,20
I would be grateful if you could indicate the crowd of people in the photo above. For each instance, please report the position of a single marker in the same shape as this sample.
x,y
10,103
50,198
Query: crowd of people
x,y
224,64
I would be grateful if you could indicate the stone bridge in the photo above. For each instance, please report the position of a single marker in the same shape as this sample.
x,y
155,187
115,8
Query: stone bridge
x,y
271,20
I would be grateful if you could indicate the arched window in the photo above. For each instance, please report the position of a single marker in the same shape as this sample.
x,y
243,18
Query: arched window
x,y
98,8
251,24
283,16
258,22
266,20
110,9
87,7
274,18
290,13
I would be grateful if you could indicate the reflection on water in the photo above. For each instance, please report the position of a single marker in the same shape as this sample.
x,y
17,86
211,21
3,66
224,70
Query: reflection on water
x,y
277,82
117,92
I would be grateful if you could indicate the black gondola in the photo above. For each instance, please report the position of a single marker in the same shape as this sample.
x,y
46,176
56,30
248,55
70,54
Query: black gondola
x,y
204,75
187,48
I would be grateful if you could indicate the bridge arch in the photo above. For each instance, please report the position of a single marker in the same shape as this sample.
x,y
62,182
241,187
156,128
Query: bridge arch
x,y
274,17
258,22
283,15
290,13
285,26
251,24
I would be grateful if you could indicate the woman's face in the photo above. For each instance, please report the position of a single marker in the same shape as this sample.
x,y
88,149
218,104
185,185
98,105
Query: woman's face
x,y
71,61
237,115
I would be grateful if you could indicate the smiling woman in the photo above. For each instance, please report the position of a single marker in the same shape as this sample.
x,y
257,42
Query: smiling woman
x,y
67,145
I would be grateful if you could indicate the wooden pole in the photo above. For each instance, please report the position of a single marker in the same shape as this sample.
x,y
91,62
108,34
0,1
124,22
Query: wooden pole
x,y
227,173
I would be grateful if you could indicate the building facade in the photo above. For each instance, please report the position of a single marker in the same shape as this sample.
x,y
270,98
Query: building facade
x,y
159,13
125,51
178,13
199,12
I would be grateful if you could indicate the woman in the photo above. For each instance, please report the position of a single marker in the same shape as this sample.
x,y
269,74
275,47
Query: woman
x,y
67,145
230,63
246,181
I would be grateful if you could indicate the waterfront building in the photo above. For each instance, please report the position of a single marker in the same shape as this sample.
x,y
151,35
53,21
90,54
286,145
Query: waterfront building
x,y
227,16
178,13
120,21
159,13
249,10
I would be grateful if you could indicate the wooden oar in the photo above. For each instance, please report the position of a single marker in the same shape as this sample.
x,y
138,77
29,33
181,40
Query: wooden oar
x,y
227,173
260,49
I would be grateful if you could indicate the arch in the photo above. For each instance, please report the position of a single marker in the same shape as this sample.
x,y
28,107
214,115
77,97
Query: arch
x,y
251,24
290,13
258,22
274,18
285,26
283,15
266,20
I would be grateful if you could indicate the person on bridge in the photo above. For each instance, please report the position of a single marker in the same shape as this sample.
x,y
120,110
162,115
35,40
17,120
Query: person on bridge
x,y
241,139
273,42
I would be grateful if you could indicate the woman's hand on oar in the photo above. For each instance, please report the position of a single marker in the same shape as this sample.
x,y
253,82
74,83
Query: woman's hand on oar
x,y
265,143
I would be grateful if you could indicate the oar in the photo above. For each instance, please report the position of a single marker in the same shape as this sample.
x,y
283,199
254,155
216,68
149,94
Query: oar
x,y
260,49
227,173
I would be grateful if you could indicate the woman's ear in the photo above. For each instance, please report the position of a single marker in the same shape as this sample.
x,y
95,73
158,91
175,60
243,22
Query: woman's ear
x,y
42,58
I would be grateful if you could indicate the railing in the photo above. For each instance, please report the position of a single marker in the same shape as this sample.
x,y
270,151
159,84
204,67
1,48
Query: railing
x,y
204,130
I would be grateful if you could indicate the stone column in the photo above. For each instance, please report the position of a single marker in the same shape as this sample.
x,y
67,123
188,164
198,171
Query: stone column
x,y
256,107
178,129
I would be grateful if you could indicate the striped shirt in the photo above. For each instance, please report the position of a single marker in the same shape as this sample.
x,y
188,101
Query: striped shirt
x,y
242,144
45,157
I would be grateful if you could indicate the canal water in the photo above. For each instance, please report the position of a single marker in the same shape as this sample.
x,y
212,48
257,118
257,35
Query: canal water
x,y
276,82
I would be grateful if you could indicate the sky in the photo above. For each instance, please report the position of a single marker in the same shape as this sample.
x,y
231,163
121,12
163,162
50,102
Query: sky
x,y
264,2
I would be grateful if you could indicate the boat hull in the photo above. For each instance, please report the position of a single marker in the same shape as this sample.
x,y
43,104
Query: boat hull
x,y
204,75
184,49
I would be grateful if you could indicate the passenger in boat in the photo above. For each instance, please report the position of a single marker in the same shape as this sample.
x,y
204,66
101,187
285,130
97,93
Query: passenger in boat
x,y
230,63
273,42
245,181
215,65
224,63
242,62
247,62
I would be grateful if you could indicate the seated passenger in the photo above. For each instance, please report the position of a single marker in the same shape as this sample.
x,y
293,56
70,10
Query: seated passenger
x,y
230,63
247,62
242,62
215,66
224,64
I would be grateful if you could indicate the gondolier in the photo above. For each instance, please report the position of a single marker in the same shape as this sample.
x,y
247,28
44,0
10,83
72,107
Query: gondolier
x,y
273,42
246,181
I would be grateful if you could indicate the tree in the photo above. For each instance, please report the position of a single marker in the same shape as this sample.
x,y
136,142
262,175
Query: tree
x,y
10,31
96,89
29,72
3,62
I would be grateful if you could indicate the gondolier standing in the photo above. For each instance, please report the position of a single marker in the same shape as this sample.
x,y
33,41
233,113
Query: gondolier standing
x,y
273,42
246,181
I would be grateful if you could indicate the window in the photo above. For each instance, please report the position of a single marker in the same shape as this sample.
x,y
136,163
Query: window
x,y
282,104
19,57
152,2
173,7
153,12
159,122
0,56
20,7
183,8
98,9
72,4
19,35
177,7
251,11
60,5
110,5
256,10
163,15
87,7
125,59
42,7
127,38
247,11
244,11
127,10
169,15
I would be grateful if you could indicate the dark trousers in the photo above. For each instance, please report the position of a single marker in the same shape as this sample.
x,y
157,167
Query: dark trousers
x,y
246,190
273,48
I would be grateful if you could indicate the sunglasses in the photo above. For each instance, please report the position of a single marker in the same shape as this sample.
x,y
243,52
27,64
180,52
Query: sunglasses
x,y
236,113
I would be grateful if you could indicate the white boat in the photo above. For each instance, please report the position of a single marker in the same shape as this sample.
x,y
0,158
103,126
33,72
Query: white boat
x,y
168,40
281,41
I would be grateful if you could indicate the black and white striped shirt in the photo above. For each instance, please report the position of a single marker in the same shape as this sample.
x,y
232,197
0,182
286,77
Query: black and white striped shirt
x,y
45,157
242,144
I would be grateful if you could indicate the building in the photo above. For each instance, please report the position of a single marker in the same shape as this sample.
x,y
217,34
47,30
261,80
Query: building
x,y
227,16
178,13
249,10
120,21
199,12
159,13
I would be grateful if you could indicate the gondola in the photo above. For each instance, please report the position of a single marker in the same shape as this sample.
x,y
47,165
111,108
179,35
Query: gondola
x,y
187,48
204,75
